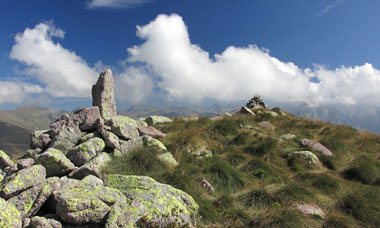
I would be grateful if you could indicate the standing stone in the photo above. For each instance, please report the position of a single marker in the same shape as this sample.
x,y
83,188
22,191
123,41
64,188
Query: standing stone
x,y
103,95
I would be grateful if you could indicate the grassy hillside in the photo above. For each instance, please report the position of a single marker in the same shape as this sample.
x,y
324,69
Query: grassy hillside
x,y
14,140
257,183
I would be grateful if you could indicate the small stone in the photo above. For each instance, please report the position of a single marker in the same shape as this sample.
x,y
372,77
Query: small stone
x,y
168,159
288,136
271,113
25,163
5,161
266,124
103,95
307,155
312,210
206,185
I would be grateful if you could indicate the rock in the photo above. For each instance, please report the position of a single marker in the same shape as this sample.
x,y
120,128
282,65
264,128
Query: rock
x,y
41,222
153,143
150,204
256,103
93,167
246,111
271,113
25,163
86,201
55,162
312,210
266,124
25,200
88,136
127,146
168,159
103,95
89,118
152,120
308,156
65,139
5,161
206,185
201,152
317,147
124,127
10,217
22,180
141,122
32,153
110,139
86,151
288,136
150,131
39,139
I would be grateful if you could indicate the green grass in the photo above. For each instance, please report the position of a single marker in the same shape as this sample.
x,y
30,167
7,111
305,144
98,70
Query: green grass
x,y
256,183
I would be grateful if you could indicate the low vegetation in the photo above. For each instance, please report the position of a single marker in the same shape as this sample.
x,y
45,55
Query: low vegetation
x,y
257,183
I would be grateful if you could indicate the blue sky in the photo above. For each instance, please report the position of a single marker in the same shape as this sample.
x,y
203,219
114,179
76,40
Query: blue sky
x,y
196,52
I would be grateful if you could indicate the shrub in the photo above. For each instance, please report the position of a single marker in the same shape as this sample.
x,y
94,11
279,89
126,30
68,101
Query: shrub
x,y
363,169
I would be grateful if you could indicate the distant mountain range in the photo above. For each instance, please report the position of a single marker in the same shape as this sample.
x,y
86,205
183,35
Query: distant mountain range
x,y
16,125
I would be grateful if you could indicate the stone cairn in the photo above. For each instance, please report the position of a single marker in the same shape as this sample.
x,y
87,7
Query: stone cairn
x,y
59,182
256,103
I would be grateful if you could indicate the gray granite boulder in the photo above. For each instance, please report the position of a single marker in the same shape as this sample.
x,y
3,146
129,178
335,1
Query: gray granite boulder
x,y
55,162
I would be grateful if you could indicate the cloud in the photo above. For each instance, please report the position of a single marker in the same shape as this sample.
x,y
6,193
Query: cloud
x,y
16,92
186,73
330,7
61,72
115,3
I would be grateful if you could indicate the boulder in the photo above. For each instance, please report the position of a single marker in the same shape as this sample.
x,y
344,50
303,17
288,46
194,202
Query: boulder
x,y
32,153
22,180
201,152
153,143
150,131
110,139
10,217
103,95
271,113
25,163
93,167
288,136
127,146
86,151
206,185
124,127
308,156
150,204
25,200
266,125
89,118
141,122
88,136
246,111
5,161
41,222
86,201
55,162
65,139
317,147
312,210
168,159
152,120
39,139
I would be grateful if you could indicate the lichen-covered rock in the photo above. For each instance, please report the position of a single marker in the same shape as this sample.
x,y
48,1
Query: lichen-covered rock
x,y
103,95
89,118
168,159
150,204
55,162
41,222
39,139
88,136
288,136
127,146
312,210
22,180
25,163
201,152
110,139
308,156
266,125
32,153
150,131
152,120
317,147
124,127
246,111
85,201
86,151
65,139
153,143
5,161
271,113
25,200
10,217
93,167
141,122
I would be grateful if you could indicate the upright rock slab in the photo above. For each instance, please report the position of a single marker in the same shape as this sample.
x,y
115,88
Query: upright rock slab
x,y
103,95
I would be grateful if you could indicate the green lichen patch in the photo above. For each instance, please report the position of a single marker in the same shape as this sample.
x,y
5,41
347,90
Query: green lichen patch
x,y
10,217
55,162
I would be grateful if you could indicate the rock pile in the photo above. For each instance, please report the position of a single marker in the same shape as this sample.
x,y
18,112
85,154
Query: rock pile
x,y
256,103
59,182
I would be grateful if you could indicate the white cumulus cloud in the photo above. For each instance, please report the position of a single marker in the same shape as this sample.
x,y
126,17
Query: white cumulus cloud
x,y
115,3
188,74
61,71
16,92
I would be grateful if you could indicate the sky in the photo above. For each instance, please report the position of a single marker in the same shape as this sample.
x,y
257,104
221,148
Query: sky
x,y
189,52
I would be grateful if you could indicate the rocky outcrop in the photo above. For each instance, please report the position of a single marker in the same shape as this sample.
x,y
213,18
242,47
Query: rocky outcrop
x,y
61,175
103,95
